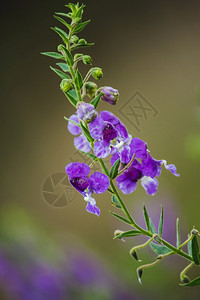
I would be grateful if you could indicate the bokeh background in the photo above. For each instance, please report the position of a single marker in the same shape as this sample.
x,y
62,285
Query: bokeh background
x,y
50,252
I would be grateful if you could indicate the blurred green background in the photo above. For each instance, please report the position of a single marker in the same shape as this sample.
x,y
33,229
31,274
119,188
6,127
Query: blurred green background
x,y
150,47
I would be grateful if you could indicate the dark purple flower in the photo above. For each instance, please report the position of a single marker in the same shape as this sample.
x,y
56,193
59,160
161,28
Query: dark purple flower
x,y
110,95
79,178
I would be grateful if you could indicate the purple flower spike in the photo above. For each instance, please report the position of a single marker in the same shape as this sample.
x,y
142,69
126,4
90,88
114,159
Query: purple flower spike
x,y
99,182
86,112
110,95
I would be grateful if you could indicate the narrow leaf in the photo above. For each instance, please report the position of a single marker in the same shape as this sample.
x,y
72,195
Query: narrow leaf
x,y
70,98
146,218
120,217
159,249
81,46
90,155
152,227
195,251
160,227
53,54
69,57
86,133
114,169
129,233
63,14
78,80
61,33
115,202
60,73
64,67
81,26
189,246
96,100
193,282
73,94
62,21
75,123
178,237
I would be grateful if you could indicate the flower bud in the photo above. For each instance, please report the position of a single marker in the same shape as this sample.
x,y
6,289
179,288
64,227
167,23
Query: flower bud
x,y
66,85
87,60
110,95
86,112
97,73
90,89
77,55
60,48
74,39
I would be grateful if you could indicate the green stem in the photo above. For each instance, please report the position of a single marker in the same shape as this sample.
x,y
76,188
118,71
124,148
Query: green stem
x,y
126,167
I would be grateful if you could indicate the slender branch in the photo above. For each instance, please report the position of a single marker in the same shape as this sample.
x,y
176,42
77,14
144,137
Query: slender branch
x,y
126,167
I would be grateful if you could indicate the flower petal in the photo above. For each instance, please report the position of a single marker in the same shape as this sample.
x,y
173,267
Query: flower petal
x,y
86,111
100,150
114,157
171,168
73,129
99,182
139,148
93,209
151,167
150,185
109,117
82,143
124,153
109,133
125,184
80,183
76,169
96,128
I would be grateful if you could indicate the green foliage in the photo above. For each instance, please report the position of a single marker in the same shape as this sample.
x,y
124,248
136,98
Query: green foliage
x,y
96,100
193,282
152,227
115,202
53,55
159,249
64,67
114,169
80,27
86,133
71,99
90,155
178,238
78,79
195,250
61,74
129,233
75,123
146,218
160,227
61,33
120,217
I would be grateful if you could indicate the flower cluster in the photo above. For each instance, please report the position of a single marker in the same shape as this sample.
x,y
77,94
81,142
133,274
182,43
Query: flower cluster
x,y
79,178
111,137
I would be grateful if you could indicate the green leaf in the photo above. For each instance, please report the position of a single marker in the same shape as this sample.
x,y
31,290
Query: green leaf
x,y
146,218
71,99
63,14
90,155
114,169
115,202
53,54
120,217
78,79
81,26
69,57
60,73
195,251
63,22
152,227
75,123
61,33
64,67
193,282
159,249
86,133
129,233
160,227
73,94
189,246
96,100
81,46
80,11
178,237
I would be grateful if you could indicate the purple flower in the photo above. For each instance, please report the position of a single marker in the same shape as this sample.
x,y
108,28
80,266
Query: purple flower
x,y
86,112
110,95
98,183
80,142
146,171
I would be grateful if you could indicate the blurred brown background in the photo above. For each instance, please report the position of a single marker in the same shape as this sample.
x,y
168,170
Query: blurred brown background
x,y
148,46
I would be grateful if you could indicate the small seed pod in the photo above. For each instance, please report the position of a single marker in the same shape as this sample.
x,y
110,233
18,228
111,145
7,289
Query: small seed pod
x,y
90,89
97,73
66,85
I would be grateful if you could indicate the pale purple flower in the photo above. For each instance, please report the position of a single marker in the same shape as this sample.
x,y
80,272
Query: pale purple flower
x,y
86,112
80,142
110,95
98,183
